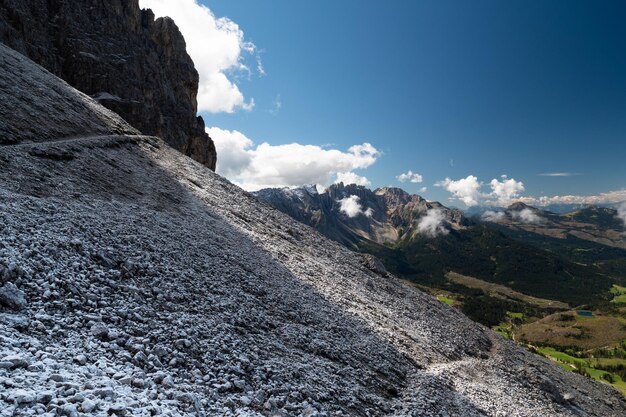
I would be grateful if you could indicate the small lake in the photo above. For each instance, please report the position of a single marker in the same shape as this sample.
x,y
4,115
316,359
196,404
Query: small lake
x,y
584,313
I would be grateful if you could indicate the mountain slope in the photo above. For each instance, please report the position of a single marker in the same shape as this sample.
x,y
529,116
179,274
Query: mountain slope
x,y
422,241
136,281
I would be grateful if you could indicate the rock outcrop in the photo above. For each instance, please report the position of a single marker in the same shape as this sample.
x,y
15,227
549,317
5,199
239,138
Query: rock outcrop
x,y
113,51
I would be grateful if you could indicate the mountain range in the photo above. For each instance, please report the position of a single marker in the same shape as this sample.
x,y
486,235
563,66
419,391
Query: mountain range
x,y
424,241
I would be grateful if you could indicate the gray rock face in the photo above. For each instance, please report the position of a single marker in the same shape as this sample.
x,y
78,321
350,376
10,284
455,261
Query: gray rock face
x,y
156,287
12,297
135,65
70,112
374,264
394,214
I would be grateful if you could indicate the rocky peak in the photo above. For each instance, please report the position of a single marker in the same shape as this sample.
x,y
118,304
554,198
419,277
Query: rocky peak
x,y
386,214
341,190
519,206
129,61
396,198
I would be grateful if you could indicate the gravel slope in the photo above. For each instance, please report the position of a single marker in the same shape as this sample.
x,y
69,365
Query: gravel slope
x,y
135,281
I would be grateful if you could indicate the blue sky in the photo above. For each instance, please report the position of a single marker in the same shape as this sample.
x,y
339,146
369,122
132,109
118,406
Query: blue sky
x,y
442,88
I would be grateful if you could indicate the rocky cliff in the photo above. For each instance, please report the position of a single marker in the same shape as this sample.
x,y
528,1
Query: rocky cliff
x,y
113,51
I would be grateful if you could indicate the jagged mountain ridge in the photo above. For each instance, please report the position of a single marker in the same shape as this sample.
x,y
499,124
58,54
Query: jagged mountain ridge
x,y
143,283
119,54
393,213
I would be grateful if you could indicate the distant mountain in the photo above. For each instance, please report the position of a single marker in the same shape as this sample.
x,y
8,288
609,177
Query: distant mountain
x,y
595,224
350,213
422,241
553,208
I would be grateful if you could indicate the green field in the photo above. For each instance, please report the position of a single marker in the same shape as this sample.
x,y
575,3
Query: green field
x,y
446,300
619,294
562,357
591,367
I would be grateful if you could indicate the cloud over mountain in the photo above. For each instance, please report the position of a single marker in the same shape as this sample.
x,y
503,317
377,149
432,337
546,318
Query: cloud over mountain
x,y
469,190
602,198
493,216
432,224
351,207
526,215
621,212
253,167
352,178
506,190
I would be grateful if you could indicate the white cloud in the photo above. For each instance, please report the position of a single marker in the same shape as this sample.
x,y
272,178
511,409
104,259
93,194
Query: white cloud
x,y
558,174
432,224
351,178
351,207
602,198
493,216
232,148
621,212
526,216
217,47
410,176
506,190
466,189
423,189
277,104
253,167
259,63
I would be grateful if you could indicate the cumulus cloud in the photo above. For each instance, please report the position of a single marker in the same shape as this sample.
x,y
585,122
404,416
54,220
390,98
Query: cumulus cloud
x,y
351,207
621,212
217,47
503,192
493,216
602,198
351,178
410,176
253,167
233,150
469,190
526,216
423,189
466,189
432,224
506,190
